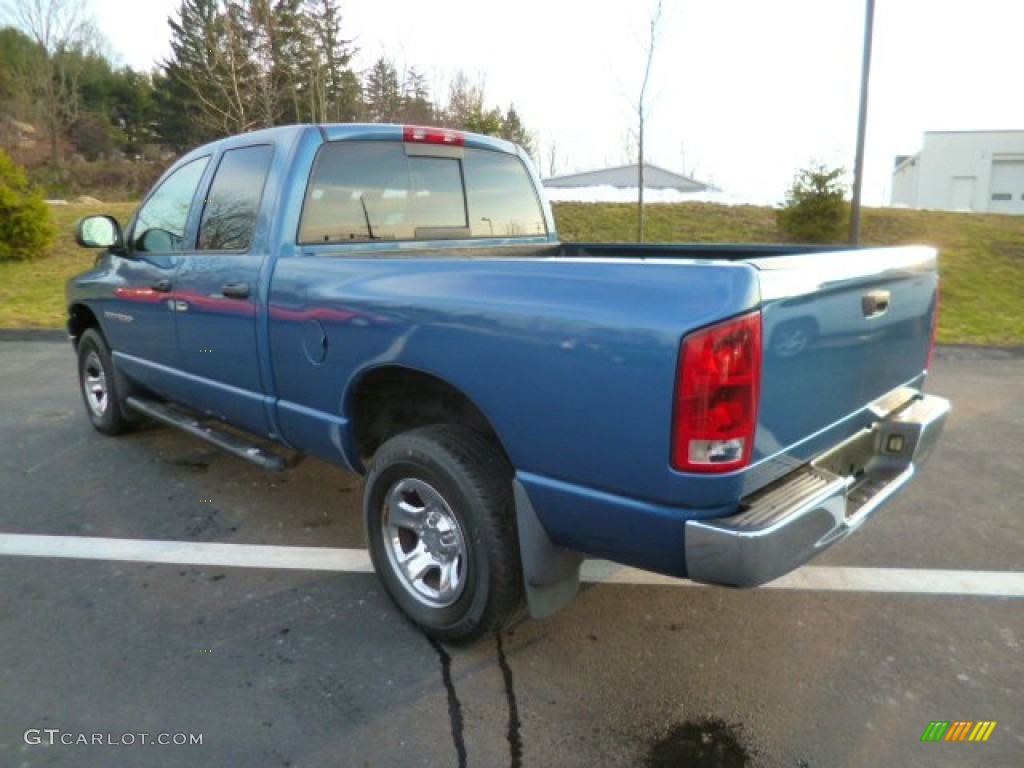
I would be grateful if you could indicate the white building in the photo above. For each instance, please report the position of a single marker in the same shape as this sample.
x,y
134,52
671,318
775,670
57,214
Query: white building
x,y
619,185
624,176
963,171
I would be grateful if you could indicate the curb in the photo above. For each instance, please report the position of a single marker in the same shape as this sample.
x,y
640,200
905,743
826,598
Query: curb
x,y
33,334
972,352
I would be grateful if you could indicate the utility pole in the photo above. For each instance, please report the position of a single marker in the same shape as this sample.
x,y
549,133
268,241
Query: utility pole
x,y
862,124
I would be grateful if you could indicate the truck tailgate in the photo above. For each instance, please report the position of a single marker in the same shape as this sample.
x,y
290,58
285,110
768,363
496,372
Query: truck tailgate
x,y
840,330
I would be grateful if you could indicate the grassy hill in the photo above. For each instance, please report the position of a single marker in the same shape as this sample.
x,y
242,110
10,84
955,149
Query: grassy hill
x,y
981,257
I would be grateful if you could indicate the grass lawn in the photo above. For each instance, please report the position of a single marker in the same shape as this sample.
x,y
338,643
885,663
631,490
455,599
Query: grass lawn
x,y
32,292
981,257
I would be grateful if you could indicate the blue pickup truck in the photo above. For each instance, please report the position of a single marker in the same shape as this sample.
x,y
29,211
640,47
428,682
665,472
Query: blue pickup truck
x,y
395,300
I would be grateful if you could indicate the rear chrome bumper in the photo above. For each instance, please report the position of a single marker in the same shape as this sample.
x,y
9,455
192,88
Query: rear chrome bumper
x,y
787,523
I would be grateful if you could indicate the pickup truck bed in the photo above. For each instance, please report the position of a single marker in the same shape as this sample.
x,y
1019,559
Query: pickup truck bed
x,y
713,412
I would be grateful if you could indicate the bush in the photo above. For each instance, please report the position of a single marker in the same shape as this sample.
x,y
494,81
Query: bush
x,y
91,137
108,180
26,226
816,210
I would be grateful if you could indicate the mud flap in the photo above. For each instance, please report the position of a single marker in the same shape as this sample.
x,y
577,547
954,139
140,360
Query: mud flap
x,y
551,574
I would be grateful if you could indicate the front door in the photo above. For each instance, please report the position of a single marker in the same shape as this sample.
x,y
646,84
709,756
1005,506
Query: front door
x,y
139,317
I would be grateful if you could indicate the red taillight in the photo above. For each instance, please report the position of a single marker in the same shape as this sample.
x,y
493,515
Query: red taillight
x,y
423,135
717,389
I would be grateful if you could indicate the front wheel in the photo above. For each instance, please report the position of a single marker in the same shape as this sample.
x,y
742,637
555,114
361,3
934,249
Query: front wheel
x,y
440,524
97,383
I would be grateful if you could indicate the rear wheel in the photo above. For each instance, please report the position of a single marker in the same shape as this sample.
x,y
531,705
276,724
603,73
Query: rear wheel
x,y
441,531
99,387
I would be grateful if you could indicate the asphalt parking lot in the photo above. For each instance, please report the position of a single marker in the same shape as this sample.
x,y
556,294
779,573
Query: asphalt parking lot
x,y
918,618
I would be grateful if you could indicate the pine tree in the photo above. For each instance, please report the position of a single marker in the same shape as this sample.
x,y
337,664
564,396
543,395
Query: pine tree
x,y
512,129
264,42
282,36
816,209
417,107
331,92
254,63
210,59
382,93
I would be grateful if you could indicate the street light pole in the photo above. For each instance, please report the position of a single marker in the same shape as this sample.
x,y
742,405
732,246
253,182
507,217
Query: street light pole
x,y
862,124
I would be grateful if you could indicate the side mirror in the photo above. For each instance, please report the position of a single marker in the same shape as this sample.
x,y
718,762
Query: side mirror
x,y
99,232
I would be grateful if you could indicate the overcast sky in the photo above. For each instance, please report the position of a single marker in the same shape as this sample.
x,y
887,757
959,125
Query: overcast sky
x,y
742,93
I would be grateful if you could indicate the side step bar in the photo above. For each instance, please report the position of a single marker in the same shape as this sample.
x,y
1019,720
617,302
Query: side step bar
x,y
228,441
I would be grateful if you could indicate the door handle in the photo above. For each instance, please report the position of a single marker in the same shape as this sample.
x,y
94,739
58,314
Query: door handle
x,y
875,303
235,290
163,285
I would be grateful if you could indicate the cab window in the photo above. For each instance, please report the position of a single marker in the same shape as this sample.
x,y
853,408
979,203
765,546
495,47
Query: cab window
x,y
501,196
160,224
232,205
366,191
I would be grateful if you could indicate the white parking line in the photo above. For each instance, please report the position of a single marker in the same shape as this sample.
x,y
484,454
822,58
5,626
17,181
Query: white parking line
x,y
836,579
187,553
845,579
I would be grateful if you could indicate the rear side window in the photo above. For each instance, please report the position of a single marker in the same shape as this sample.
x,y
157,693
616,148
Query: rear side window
x,y
233,203
365,191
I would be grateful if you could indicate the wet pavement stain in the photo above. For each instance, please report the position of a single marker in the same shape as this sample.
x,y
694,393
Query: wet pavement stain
x,y
701,744
454,705
513,734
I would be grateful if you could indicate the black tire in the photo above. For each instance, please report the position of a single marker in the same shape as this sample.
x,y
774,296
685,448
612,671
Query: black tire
x,y
439,500
98,385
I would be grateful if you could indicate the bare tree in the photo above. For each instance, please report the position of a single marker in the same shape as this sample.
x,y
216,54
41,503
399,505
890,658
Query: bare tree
x,y
641,115
65,35
553,159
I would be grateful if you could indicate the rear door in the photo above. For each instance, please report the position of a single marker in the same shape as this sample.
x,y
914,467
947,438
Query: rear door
x,y
217,293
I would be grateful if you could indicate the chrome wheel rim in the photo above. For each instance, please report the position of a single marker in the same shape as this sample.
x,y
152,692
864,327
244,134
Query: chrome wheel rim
x,y
425,543
94,384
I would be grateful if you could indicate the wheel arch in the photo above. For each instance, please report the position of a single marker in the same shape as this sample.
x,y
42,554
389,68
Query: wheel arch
x,y
387,400
80,319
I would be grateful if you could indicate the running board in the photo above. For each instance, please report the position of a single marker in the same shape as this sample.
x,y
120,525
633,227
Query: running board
x,y
228,441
